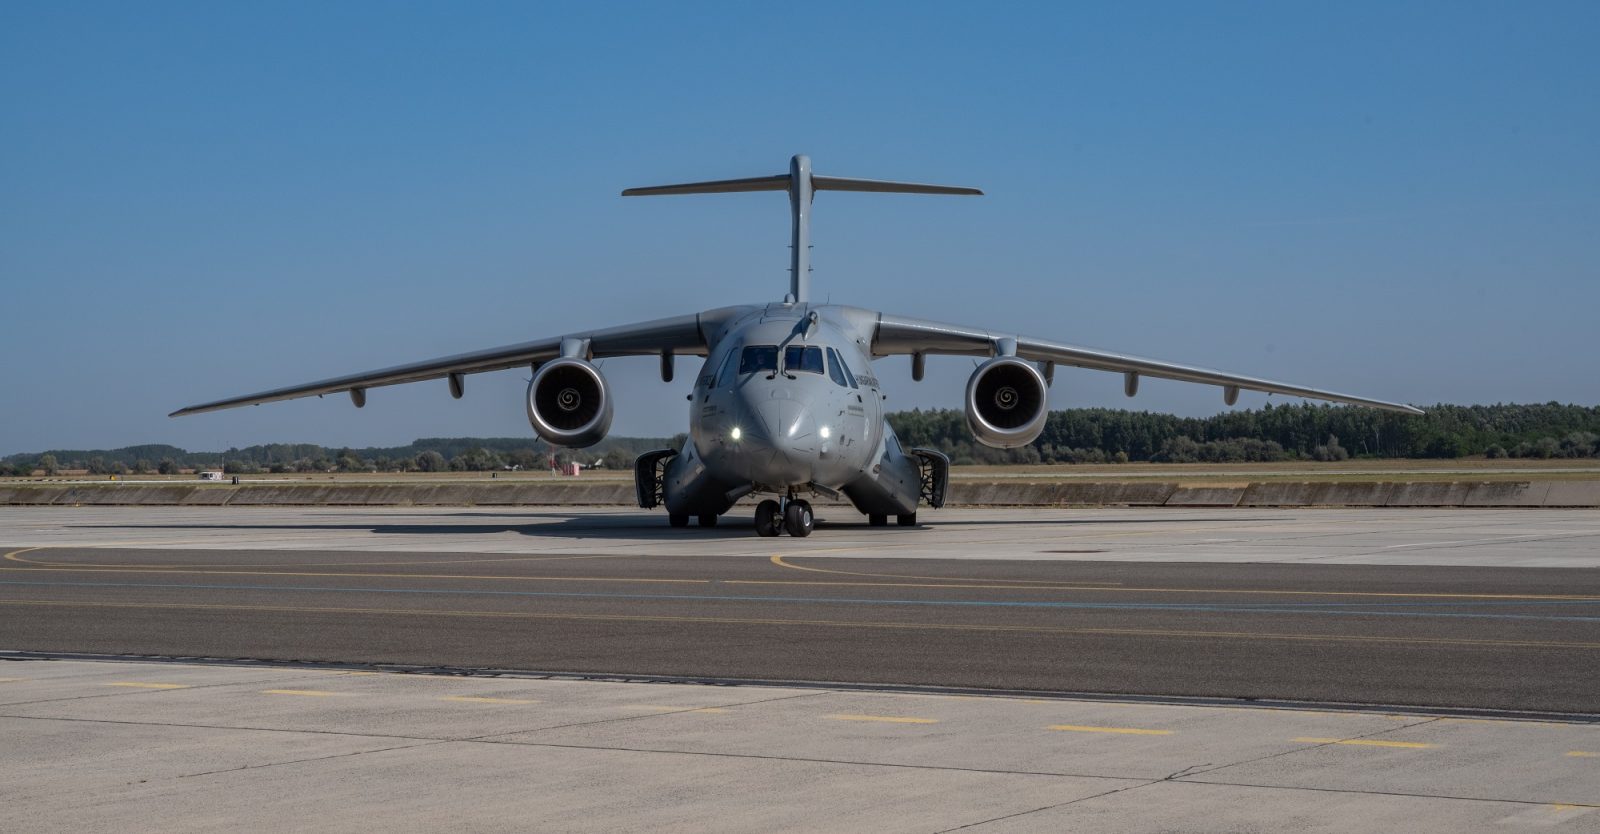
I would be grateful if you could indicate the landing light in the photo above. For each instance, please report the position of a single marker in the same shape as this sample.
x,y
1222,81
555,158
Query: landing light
x,y
735,433
825,431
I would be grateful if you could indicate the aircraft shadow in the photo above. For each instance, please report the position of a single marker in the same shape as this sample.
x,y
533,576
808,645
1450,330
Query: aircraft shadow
x,y
622,525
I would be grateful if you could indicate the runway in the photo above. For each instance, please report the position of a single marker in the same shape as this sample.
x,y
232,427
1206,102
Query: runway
x,y
1400,608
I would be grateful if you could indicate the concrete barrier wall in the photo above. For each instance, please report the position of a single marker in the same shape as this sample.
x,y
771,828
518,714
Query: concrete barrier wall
x,y
1008,493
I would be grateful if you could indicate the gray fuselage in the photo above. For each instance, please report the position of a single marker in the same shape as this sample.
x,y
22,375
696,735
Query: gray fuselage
x,y
787,403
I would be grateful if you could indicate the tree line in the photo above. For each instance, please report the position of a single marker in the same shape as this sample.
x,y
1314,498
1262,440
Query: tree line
x,y
1075,435
1287,432
435,454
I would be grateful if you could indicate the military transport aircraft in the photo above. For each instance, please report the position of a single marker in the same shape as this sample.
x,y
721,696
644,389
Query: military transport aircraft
x,y
786,403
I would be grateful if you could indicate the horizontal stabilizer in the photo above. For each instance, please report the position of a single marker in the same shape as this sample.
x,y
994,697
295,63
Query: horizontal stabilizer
x,y
802,186
777,183
884,186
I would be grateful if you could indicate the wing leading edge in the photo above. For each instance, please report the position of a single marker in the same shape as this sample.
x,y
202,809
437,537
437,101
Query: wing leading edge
x,y
680,334
897,335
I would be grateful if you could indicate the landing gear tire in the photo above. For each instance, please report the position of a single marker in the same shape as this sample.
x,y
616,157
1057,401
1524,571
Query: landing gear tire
x,y
768,523
877,520
798,520
708,520
907,520
678,519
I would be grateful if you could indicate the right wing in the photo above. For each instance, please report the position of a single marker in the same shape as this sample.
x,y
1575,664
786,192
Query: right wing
x,y
902,335
681,334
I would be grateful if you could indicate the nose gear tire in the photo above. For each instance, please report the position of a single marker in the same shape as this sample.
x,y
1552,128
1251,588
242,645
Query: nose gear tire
x,y
798,519
907,520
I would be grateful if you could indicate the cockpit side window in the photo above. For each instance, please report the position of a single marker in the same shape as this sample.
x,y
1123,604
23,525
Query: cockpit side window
x,y
850,377
836,369
725,375
758,358
800,358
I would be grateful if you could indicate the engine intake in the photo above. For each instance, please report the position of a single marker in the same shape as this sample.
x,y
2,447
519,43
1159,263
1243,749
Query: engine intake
x,y
1006,402
569,403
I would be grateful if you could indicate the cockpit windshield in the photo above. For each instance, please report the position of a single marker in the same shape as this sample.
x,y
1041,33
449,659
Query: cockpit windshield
x,y
796,359
758,358
808,359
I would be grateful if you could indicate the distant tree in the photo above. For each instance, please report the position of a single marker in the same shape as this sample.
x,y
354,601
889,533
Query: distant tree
x,y
1579,444
98,466
526,459
1330,451
1495,451
431,461
143,467
168,466
479,459
618,459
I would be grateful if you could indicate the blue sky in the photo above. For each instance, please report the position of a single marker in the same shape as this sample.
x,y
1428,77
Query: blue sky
x,y
201,200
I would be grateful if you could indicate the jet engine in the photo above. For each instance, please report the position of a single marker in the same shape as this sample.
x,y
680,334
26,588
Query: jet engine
x,y
1006,402
569,403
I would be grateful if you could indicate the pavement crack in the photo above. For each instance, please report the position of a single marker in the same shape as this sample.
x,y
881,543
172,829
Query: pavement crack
x,y
1185,772
809,760
1408,794
1181,775
1143,784
428,743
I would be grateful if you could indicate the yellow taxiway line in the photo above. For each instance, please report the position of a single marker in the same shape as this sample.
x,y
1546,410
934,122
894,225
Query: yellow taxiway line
x,y
856,624
1132,731
885,719
1367,742
778,560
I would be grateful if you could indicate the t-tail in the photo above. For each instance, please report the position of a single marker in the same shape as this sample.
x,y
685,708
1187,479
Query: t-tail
x,y
801,185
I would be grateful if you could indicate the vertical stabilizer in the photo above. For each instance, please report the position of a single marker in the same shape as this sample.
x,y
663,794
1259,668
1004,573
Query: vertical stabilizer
x,y
801,185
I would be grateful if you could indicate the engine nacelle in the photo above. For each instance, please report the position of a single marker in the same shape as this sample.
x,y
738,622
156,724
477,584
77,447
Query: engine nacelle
x,y
569,403
1006,402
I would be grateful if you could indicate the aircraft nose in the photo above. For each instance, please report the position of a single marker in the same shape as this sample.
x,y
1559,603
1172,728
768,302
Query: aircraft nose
x,y
789,427
780,448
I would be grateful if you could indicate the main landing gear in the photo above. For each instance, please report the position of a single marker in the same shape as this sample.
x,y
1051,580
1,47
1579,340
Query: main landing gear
x,y
793,515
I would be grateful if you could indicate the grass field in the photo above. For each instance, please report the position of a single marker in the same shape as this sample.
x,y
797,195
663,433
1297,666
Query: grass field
x,y
1210,474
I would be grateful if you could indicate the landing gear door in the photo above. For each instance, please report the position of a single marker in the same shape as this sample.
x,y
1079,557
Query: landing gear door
x,y
935,470
649,476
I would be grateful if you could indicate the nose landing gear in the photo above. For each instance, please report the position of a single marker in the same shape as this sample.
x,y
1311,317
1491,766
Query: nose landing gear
x,y
793,515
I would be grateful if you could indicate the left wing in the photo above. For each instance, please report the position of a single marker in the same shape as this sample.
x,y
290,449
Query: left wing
x,y
897,335
681,334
